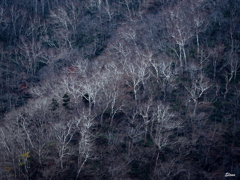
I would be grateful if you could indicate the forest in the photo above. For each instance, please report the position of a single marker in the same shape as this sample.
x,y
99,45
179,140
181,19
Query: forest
x,y
119,89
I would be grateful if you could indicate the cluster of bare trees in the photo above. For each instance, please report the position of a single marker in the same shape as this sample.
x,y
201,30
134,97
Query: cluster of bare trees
x,y
92,90
34,134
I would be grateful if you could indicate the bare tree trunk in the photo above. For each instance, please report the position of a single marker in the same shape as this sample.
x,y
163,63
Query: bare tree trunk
x,y
180,56
129,12
79,170
197,42
101,120
184,55
195,107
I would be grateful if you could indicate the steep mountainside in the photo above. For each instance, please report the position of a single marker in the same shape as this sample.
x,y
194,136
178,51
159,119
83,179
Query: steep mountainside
x,y
120,89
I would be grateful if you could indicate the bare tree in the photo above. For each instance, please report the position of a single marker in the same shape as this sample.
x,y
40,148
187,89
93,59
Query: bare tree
x,y
232,64
197,86
111,92
17,145
9,153
216,54
14,18
63,134
134,129
180,29
163,124
199,18
136,75
94,4
109,10
134,62
38,126
85,143
165,71
145,110
133,9
32,54
66,19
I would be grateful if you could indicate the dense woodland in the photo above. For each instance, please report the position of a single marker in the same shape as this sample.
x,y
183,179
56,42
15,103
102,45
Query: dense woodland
x,y
119,89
